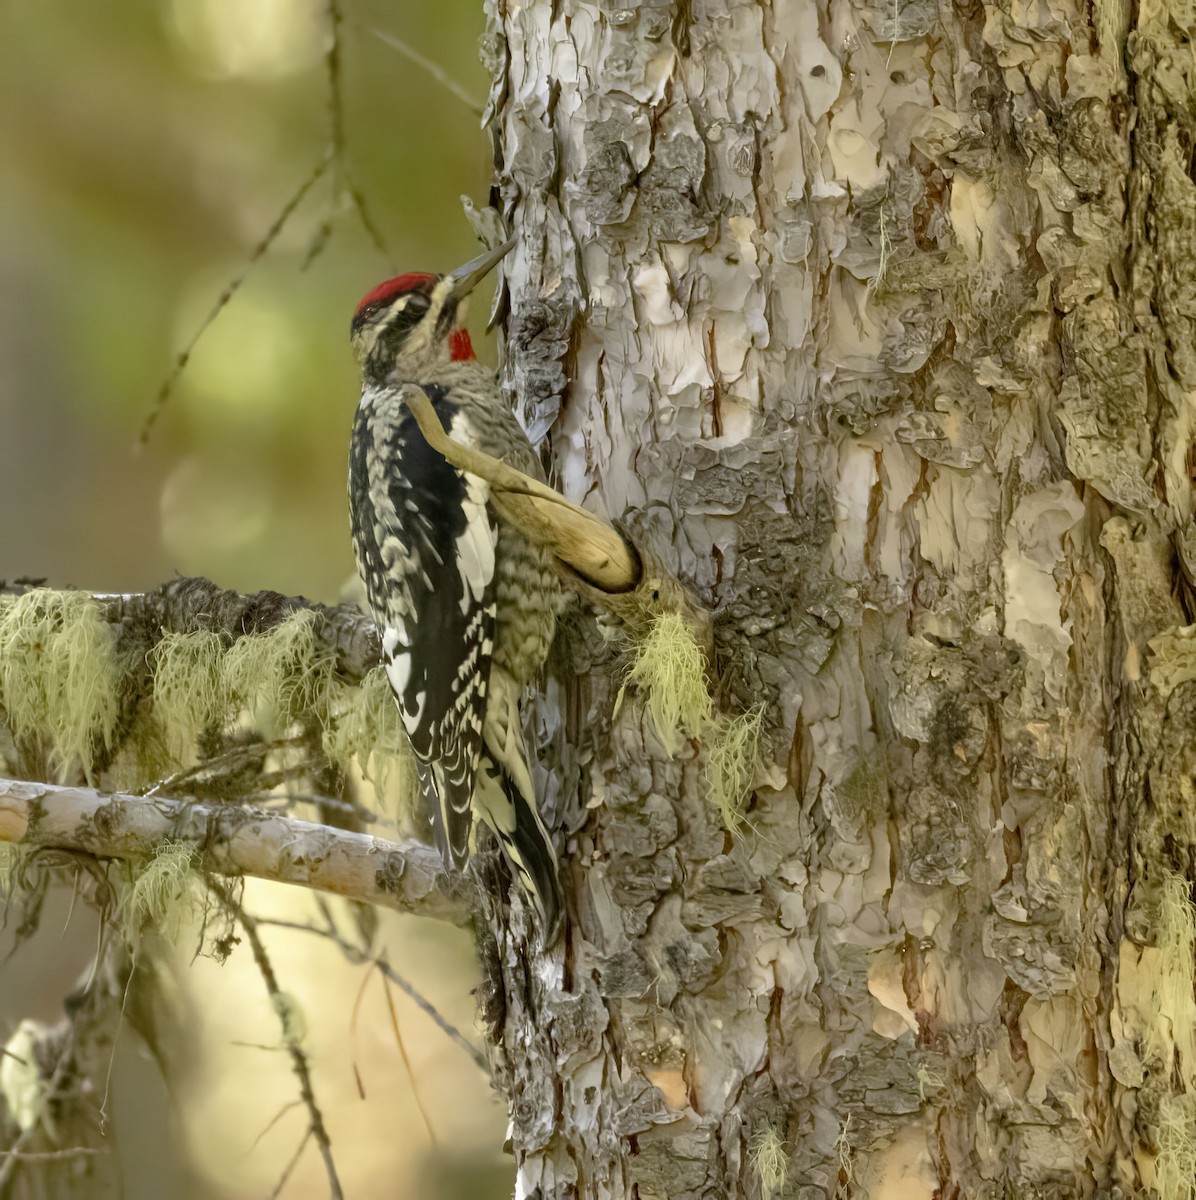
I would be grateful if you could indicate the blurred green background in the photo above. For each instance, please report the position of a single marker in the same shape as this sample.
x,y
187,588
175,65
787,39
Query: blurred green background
x,y
147,146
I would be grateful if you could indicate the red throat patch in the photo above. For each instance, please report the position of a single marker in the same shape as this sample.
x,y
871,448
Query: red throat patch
x,y
460,347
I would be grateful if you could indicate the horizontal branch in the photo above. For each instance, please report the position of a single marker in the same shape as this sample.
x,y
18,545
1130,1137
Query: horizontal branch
x,y
234,840
192,605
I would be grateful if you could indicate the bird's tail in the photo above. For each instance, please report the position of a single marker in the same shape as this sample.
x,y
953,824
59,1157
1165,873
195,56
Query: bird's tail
x,y
525,843
506,801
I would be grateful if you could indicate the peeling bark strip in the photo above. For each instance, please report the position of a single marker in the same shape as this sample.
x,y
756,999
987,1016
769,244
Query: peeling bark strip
x,y
875,322
235,841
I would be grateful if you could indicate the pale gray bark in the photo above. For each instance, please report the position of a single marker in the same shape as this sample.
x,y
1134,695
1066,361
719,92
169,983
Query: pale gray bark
x,y
234,840
876,324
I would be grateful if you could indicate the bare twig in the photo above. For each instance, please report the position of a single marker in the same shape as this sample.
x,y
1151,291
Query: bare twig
x,y
235,841
336,123
298,1057
294,1162
434,69
184,356
49,1155
394,1024
357,956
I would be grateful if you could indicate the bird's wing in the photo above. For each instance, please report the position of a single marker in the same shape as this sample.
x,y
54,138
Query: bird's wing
x,y
425,541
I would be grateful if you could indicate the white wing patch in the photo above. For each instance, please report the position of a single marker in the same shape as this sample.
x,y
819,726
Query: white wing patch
x,y
396,657
476,543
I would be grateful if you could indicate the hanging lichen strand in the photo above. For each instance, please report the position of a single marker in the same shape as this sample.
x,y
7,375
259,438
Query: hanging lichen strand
x,y
60,675
75,699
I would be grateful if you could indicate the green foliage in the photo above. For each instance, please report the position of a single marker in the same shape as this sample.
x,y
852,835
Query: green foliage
x,y
59,676
161,894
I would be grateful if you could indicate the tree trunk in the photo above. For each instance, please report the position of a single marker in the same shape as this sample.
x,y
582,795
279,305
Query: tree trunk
x,y
850,314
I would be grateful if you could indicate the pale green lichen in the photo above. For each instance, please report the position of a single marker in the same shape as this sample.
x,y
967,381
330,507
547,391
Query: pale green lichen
x,y
189,689
1175,1166
732,755
1173,1037
767,1156
845,1152
23,1087
1175,933
60,676
10,862
364,724
929,1081
161,894
281,675
670,671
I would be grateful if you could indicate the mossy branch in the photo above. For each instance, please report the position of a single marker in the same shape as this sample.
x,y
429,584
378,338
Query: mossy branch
x,y
192,605
236,841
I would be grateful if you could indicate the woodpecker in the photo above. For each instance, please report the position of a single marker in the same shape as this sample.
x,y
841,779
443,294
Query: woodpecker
x,y
464,603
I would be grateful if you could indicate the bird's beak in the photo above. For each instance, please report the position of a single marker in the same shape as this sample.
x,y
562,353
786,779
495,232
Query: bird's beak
x,y
466,278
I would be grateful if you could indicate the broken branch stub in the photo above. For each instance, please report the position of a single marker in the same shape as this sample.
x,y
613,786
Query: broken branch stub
x,y
600,561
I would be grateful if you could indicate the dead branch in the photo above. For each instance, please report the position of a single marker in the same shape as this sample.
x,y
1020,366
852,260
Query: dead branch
x,y
299,1061
602,562
236,841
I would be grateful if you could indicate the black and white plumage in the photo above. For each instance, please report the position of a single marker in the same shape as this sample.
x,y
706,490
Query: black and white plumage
x,y
465,605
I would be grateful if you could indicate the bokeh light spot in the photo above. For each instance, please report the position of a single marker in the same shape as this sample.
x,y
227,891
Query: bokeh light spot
x,y
245,366
210,509
249,39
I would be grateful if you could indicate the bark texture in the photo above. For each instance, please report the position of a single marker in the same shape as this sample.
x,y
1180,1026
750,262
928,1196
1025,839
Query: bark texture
x,y
875,322
233,840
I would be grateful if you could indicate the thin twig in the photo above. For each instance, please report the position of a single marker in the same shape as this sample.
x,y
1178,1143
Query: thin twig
x,y
278,1116
394,1024
336,124
434,69
286,1171
298,1058
357,956
180,363
49,1155
235,756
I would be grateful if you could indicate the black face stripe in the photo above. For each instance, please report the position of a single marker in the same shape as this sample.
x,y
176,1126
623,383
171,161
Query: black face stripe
x,y
406,316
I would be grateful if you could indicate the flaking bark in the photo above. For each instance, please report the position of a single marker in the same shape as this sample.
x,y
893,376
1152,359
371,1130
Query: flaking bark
x,y
849,315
